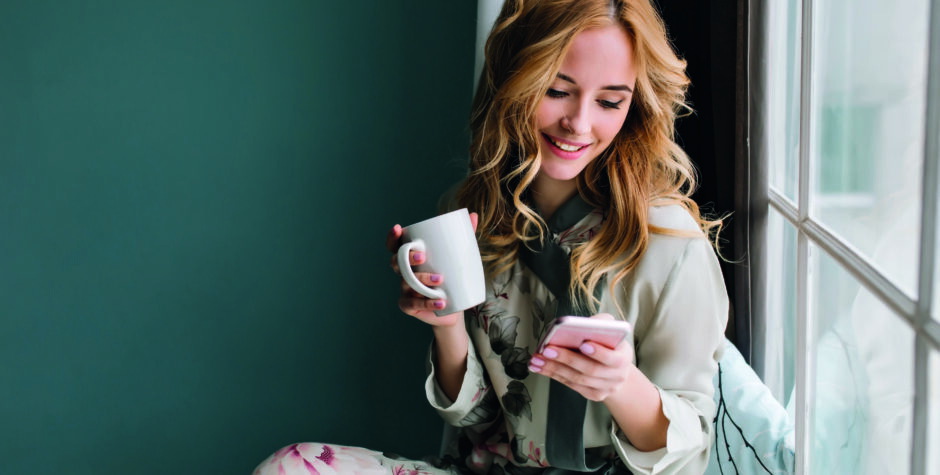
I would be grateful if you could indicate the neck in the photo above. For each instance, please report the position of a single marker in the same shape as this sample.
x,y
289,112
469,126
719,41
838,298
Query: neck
x,y
549,194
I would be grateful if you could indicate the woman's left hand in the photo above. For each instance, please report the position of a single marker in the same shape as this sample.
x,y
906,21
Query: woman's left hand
x,y
593,370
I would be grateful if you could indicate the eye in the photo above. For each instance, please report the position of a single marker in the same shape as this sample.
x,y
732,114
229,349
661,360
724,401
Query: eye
x,y
610,104
555,93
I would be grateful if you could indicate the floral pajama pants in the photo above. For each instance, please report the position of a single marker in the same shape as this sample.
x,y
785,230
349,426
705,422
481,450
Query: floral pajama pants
x,y
312,458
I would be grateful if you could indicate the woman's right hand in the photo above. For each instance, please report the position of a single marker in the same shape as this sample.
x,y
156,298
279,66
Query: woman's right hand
x,y
411,302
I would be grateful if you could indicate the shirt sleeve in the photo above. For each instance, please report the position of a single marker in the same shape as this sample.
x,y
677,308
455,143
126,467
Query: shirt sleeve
x,y
476,402
678,351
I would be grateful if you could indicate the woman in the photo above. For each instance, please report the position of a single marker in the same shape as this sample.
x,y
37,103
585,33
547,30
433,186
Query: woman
x,y
582,208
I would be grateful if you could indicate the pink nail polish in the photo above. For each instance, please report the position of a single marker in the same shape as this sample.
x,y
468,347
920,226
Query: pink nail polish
x,y
537,362
435,278
418,256
550,353
587,349
438,304
534,369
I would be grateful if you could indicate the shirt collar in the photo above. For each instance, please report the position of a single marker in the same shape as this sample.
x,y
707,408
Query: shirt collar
x,y
571,212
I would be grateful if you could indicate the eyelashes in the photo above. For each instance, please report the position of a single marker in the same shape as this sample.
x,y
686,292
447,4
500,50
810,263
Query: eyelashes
x,y
558,94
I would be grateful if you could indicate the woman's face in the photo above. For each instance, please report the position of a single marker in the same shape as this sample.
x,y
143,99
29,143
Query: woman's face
x,y
585,105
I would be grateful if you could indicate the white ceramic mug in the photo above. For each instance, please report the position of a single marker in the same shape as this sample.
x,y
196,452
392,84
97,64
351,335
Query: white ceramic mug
x,y
451,250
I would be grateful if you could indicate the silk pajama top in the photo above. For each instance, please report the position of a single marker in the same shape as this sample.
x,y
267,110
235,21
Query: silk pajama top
x,y
676,301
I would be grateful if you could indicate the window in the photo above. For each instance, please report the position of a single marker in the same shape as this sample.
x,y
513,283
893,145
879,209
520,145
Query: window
x,y
850,340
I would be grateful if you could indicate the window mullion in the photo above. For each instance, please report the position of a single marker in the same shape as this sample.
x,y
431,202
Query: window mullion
x,y
931,174
860,268
931,331
853,262
805,356
928,246
919,436
784,206
805,352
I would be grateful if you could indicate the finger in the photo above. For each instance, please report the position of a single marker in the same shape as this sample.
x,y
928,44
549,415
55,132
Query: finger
x,y
424,315
414,257
429,279
412,299
589,378
414,305
408,291
393,238
568,376
417,257
591,394
433,319
572,361
607,316
606,356
580,381
474,220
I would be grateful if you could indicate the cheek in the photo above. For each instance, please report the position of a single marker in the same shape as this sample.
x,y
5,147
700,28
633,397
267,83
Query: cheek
x,y
547,113
609,129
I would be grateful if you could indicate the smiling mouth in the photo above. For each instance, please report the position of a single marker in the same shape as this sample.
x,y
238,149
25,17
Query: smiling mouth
x,y
564,146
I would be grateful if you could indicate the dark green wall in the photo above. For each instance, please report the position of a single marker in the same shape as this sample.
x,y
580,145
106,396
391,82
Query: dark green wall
x,y
194,197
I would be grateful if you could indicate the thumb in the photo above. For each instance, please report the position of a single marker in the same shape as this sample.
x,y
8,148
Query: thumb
x,y
474,219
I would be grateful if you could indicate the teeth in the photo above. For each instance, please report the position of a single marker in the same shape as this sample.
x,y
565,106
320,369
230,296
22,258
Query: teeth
x,y
566,147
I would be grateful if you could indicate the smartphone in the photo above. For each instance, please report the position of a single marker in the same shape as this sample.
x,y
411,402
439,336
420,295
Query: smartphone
x,y
572,332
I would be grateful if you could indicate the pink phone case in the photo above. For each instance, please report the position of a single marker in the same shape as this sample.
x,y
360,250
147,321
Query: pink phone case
x,y
572,332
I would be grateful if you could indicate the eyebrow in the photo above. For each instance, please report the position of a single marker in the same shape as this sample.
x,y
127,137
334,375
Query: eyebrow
x,y
613,87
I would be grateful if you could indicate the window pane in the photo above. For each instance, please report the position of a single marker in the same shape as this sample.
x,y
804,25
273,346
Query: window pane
x,y
783,96
933,427
779,332
935,308
863,402
869,82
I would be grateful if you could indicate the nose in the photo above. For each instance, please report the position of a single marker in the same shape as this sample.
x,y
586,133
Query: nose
x,y
576,119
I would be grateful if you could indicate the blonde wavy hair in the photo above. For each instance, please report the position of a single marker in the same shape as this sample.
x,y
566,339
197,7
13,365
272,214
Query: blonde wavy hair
x,y
643,163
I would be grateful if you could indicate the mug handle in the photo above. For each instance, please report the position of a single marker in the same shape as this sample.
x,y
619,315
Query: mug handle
x,y
407,273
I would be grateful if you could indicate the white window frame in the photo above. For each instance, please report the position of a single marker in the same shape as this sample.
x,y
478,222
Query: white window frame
x,y
914,311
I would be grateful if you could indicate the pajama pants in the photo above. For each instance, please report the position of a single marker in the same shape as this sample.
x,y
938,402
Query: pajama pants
x,y
312,458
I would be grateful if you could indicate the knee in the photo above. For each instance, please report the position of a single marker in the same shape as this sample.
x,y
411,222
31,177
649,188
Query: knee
x,y
306,458
293,459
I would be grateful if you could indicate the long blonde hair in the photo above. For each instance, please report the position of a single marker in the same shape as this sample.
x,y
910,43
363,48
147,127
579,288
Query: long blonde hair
x,y
643,163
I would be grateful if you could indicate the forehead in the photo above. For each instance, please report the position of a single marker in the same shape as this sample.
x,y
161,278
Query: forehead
x,y
601,56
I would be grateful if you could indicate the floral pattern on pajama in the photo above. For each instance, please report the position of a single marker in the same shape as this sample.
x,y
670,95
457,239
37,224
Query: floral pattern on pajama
x,y
322,459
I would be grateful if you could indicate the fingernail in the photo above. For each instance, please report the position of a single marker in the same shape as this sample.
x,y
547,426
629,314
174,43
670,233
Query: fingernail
x,y
438,304
435,278
534,369
419,256
550,353
587,349
537,361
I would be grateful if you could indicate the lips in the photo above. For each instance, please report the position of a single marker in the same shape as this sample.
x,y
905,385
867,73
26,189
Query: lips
x,y
565,148
565,145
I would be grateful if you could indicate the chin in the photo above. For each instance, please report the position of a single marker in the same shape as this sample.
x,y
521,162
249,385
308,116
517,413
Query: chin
x,y
560,175
564,171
